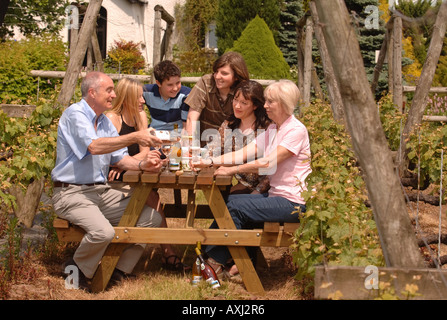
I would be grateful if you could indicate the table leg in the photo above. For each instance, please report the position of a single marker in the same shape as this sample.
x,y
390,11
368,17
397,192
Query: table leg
x,y
190,209
113,251
239,254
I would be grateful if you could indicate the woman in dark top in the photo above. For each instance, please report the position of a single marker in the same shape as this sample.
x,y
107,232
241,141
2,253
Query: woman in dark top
x,y
247,120
128,115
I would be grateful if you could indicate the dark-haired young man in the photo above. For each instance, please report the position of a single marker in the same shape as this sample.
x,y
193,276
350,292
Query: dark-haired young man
x,y
165,99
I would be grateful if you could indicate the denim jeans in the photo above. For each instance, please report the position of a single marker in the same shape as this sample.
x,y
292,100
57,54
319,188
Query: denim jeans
x,y
252,210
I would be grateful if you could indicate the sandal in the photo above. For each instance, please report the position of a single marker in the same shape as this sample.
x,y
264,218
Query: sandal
x,y
218,268
176,264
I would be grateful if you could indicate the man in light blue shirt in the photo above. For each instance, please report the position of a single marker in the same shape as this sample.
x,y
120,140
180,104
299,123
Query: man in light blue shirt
x,y
73,155
87,145
165,99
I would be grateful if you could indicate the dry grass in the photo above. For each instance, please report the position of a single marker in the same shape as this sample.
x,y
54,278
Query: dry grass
x,y
155,283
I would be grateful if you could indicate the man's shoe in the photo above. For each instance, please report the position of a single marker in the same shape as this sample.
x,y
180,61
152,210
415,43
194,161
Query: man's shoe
x,y
118,276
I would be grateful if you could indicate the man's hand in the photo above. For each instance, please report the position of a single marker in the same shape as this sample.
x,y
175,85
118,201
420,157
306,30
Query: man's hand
x,y
152,161
147,138
114,173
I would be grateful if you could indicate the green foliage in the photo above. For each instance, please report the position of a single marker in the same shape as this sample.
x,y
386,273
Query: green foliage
x,y
291,12
428,145
392,120
441,70
33,145
193,20
263,57
33,17
195,62
422,16
18,58
125,57
413,8
426,142
233,17
337,227
370,39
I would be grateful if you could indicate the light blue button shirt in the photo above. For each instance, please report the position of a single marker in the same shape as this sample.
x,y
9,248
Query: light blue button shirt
x,y
76,131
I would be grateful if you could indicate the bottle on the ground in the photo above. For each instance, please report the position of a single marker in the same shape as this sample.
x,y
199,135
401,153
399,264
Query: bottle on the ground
x,y
208,273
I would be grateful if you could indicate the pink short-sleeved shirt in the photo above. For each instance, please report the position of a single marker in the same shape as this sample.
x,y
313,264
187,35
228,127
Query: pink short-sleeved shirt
x,y
288,180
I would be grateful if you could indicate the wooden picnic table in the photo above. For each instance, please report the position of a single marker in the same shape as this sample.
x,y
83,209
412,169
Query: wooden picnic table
x,y
272,235
211,187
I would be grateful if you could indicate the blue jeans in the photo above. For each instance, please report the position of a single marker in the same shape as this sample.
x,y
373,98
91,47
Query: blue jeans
x,y
252,210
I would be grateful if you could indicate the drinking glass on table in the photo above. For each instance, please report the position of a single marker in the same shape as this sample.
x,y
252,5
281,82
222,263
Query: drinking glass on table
x,y
213,147
166,149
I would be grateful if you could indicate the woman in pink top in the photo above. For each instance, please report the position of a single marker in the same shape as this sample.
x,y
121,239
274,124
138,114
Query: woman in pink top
x,y
283,153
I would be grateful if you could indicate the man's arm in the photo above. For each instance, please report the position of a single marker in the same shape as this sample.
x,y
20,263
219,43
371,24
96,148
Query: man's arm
x,y
110,144
193,115
151,162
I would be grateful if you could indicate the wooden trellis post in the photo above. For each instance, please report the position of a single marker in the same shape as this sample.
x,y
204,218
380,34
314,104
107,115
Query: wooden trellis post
x,y
368,138
331,82
382,56
77,57
397,63
307,61
307,75
162,47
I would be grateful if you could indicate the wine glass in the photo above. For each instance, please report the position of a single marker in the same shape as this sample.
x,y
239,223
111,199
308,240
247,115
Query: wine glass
x,y
213,146
166,149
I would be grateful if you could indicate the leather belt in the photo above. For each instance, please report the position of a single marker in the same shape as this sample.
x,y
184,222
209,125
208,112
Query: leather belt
x,y
58,184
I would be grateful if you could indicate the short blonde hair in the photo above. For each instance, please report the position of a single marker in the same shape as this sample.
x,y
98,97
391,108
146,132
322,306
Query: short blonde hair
x,y
286,93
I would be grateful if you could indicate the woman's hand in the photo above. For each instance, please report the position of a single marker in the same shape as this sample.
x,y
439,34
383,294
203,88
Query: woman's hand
x,y
226,171
203,163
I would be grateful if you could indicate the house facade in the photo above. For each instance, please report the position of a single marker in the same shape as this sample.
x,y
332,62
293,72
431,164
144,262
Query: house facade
x,y
130,20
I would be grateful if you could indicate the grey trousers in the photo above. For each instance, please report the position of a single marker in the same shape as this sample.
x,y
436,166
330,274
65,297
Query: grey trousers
x,y
96,209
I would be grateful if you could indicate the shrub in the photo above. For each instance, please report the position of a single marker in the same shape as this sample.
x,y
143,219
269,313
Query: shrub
x,y
18,58
125,57
337,228
263,57
195,62
32,141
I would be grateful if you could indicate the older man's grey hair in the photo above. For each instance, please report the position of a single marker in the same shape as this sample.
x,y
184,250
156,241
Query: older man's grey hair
x,y
91,81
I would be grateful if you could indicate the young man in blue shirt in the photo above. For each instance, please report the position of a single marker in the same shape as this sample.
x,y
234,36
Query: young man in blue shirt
x,y
165,99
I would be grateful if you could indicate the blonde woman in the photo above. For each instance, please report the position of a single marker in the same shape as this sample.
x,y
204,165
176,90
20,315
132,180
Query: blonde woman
x,y
128,115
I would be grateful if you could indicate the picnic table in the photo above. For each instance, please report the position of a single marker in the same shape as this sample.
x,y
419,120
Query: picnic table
x,y
212,186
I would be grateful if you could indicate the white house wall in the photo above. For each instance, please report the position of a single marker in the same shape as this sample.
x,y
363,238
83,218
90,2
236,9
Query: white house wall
x,y
133,22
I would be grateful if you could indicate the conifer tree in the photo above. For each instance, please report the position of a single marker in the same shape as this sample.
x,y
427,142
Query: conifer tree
x,y
263,57
370,36
234,15
291,12
370,30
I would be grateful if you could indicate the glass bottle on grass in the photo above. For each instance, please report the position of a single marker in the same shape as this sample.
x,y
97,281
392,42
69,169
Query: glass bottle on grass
x,y
208,273
196,272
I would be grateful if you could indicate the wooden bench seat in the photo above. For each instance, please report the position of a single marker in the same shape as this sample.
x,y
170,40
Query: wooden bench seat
x,y
272,235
